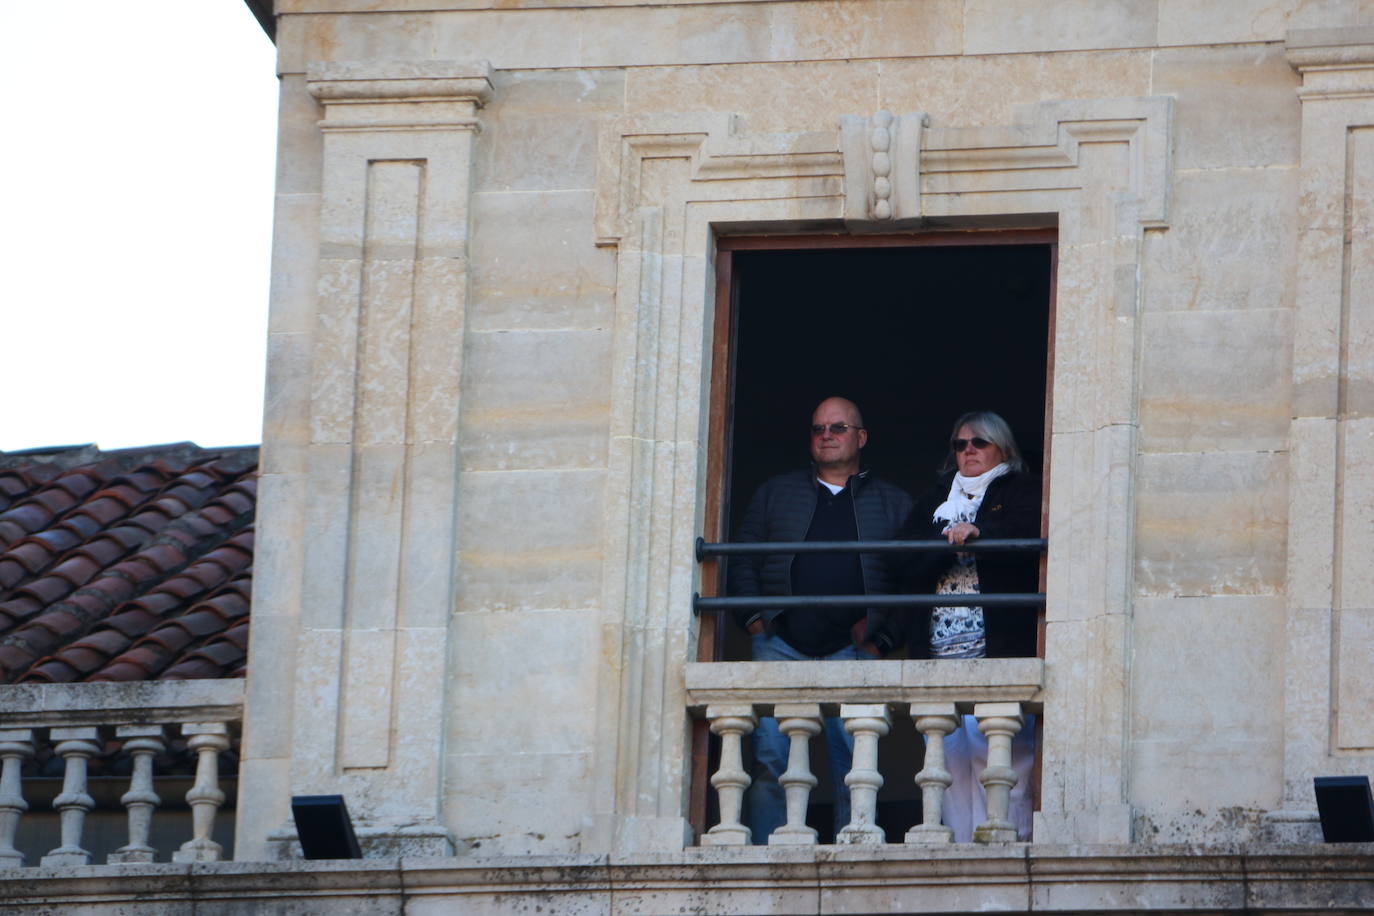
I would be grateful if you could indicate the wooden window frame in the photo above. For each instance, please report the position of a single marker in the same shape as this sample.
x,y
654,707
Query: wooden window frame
x,y
710,644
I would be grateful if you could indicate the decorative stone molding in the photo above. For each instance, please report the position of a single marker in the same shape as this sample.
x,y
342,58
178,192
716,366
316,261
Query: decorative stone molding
x,y
1330,634
718,157
1101,170
410,95
380,467
882,168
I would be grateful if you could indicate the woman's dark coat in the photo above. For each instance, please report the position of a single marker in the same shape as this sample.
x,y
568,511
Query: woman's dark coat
x,y
1010,509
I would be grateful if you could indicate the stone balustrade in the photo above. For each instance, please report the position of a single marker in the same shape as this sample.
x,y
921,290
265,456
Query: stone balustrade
x,y
866,696
77,722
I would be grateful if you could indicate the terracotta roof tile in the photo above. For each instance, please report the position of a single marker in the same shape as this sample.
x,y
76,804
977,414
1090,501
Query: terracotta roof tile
x,y
132,621
32,554
125,565
57,539
49,589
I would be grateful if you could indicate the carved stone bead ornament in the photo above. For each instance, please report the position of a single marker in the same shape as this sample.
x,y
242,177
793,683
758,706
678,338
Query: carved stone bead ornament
x,y
882,166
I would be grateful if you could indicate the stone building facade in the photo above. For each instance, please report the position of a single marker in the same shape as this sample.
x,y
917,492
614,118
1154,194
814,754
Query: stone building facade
x,y
499,415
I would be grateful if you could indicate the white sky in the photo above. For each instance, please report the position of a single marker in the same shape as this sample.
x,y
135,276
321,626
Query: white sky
x,y
138,157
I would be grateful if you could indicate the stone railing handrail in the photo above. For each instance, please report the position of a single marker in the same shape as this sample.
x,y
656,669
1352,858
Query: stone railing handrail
x,y
109,703
77,720
961,681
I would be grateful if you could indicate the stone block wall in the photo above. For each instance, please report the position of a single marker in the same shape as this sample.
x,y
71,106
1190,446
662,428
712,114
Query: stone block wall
x,y
483,572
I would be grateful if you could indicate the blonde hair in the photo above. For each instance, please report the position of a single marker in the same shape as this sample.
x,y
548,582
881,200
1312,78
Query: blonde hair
x,y
990,426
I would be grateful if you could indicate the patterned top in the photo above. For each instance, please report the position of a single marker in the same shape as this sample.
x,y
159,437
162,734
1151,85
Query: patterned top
x,y
957,632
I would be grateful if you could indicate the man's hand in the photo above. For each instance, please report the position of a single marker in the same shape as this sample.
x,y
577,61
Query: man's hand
x,y
856,633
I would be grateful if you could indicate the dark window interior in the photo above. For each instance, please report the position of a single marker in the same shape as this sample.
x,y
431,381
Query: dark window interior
x,y
915,336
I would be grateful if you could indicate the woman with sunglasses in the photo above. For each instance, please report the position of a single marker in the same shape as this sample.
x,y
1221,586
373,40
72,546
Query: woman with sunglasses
x,y
984,491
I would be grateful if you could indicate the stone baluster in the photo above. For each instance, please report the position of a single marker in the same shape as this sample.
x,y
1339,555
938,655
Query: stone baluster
x,y
732,723
800,722
999,722
208,740
934,721
143,742
867,722
16,744
76,746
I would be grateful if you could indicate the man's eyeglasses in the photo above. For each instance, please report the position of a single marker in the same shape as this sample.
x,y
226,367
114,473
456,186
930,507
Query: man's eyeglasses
x,y
836,429
960,444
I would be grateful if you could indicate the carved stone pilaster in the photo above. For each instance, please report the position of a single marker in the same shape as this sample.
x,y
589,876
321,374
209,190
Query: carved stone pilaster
x,y
371,635
1328,694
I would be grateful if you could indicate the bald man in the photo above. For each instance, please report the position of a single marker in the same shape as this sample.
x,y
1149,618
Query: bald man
x,y
833,500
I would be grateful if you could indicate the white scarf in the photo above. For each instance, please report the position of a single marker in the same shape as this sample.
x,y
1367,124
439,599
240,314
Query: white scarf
x,y
965,496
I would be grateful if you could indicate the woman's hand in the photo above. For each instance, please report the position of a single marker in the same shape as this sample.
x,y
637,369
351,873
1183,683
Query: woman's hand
x,y
963,531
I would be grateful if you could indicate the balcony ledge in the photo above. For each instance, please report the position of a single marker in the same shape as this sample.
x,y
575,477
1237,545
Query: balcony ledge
x,y
147,702
1019,680
1063,879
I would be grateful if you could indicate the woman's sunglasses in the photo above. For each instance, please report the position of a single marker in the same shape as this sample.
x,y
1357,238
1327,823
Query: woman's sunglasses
x,y
958,445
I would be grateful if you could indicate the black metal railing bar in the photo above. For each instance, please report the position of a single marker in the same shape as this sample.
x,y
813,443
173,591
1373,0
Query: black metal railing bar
x,y
706,550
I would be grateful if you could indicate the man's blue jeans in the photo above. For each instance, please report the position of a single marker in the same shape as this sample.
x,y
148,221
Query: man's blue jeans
x,y
765,801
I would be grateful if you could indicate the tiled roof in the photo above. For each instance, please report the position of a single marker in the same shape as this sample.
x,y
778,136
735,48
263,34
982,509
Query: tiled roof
x,y
125,565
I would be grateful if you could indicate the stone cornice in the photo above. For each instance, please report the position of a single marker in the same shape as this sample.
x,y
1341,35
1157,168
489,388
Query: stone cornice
x,y
1334,63
400,95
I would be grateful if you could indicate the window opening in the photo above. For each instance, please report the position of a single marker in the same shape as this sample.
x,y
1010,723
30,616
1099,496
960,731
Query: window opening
x,y
917,330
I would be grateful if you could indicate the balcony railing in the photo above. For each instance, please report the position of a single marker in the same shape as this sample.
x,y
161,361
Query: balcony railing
x,y
935,694
706,550
76,722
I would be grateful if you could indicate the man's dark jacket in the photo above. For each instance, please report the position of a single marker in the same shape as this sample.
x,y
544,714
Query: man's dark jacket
x,y
1010,509
782,509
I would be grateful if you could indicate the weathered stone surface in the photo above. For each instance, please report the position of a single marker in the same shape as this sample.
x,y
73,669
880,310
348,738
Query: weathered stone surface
x,y
955,91
1229,243
1236,106
769,98
536,400
540,130
545,389
1215,381
1023,25
529,539
555,654
1184,23
1203,693
1211,524
517,804
535,265
1063,879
